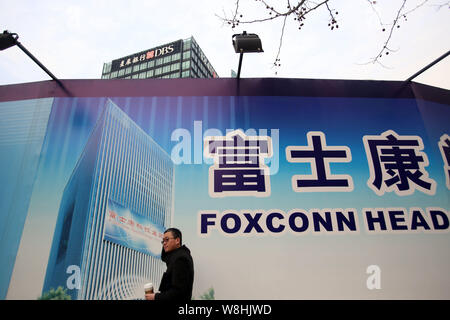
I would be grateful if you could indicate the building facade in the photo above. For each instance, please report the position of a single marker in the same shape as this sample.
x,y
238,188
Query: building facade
x,y
23,126
119,163
178,59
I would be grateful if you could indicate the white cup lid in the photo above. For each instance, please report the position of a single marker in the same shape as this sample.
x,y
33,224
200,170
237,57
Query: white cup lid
x,y
148,285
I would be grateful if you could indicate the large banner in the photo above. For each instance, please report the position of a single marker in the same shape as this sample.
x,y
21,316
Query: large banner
x,y
330,190
131,230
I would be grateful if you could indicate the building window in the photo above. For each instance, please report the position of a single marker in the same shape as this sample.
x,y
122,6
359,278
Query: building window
x,y
151,64
176,56
158,71
142,75
166,59
174,75
175,66
143,66
107,67
166,69
65,232
135,76
187,44
158,61
186,65
114,74
121,72
149,73
186,55
128,70
105,76
194,44
136,68
185,74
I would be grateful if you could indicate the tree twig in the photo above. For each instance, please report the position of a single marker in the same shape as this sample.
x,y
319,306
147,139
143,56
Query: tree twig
x,y
303,8
385,49
277,58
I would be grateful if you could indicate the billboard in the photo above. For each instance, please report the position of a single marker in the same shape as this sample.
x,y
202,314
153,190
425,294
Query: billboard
x,y
147,55
283,188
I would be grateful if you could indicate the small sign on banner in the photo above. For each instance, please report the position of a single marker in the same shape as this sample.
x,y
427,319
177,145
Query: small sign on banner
x,y
132,230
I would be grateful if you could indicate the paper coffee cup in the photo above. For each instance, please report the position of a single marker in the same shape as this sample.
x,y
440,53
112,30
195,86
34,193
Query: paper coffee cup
x,y
148,287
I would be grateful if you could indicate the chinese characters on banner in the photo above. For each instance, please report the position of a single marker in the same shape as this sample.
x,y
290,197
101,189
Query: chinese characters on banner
x,y
397,164
132,225
319,155
444,146
239,168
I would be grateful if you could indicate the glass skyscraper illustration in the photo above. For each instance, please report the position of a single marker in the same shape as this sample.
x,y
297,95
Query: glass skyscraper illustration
x,y
23,126
119,163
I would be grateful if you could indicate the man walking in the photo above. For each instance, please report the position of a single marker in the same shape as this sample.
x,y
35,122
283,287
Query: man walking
x,y
177,281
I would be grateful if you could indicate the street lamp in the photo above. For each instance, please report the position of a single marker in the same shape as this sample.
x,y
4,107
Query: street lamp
x,y
245,43
8,39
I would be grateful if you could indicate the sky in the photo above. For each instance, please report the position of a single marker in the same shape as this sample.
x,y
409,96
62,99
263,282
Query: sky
x,y
74,38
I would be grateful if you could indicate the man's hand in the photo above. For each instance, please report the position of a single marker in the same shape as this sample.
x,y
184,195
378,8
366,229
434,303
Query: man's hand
x,y
149,296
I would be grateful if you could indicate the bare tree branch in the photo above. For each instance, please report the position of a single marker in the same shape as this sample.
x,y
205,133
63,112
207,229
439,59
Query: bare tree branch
x,y
235,21
299,11
386,49
302,8
236,11
277,58
375,11
415,8
439,6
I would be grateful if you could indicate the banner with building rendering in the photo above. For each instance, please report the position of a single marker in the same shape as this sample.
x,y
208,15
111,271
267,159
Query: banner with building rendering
x,y
283,188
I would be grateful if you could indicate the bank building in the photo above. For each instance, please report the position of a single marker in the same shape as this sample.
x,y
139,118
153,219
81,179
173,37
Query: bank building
x,y
178,59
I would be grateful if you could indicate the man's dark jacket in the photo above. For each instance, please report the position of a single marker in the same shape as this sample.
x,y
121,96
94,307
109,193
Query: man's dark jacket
x,y
177,281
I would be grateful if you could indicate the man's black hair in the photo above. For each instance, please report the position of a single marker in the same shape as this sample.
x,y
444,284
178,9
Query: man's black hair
x,y
176,234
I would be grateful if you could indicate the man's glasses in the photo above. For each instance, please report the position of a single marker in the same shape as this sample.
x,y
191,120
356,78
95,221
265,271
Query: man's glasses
x,y
166,240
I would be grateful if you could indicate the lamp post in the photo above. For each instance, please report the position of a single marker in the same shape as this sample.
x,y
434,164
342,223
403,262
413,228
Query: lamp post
x,y
8,39
445,55
246,43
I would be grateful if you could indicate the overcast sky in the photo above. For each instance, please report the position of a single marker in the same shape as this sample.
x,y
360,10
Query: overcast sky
x,y
74,38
